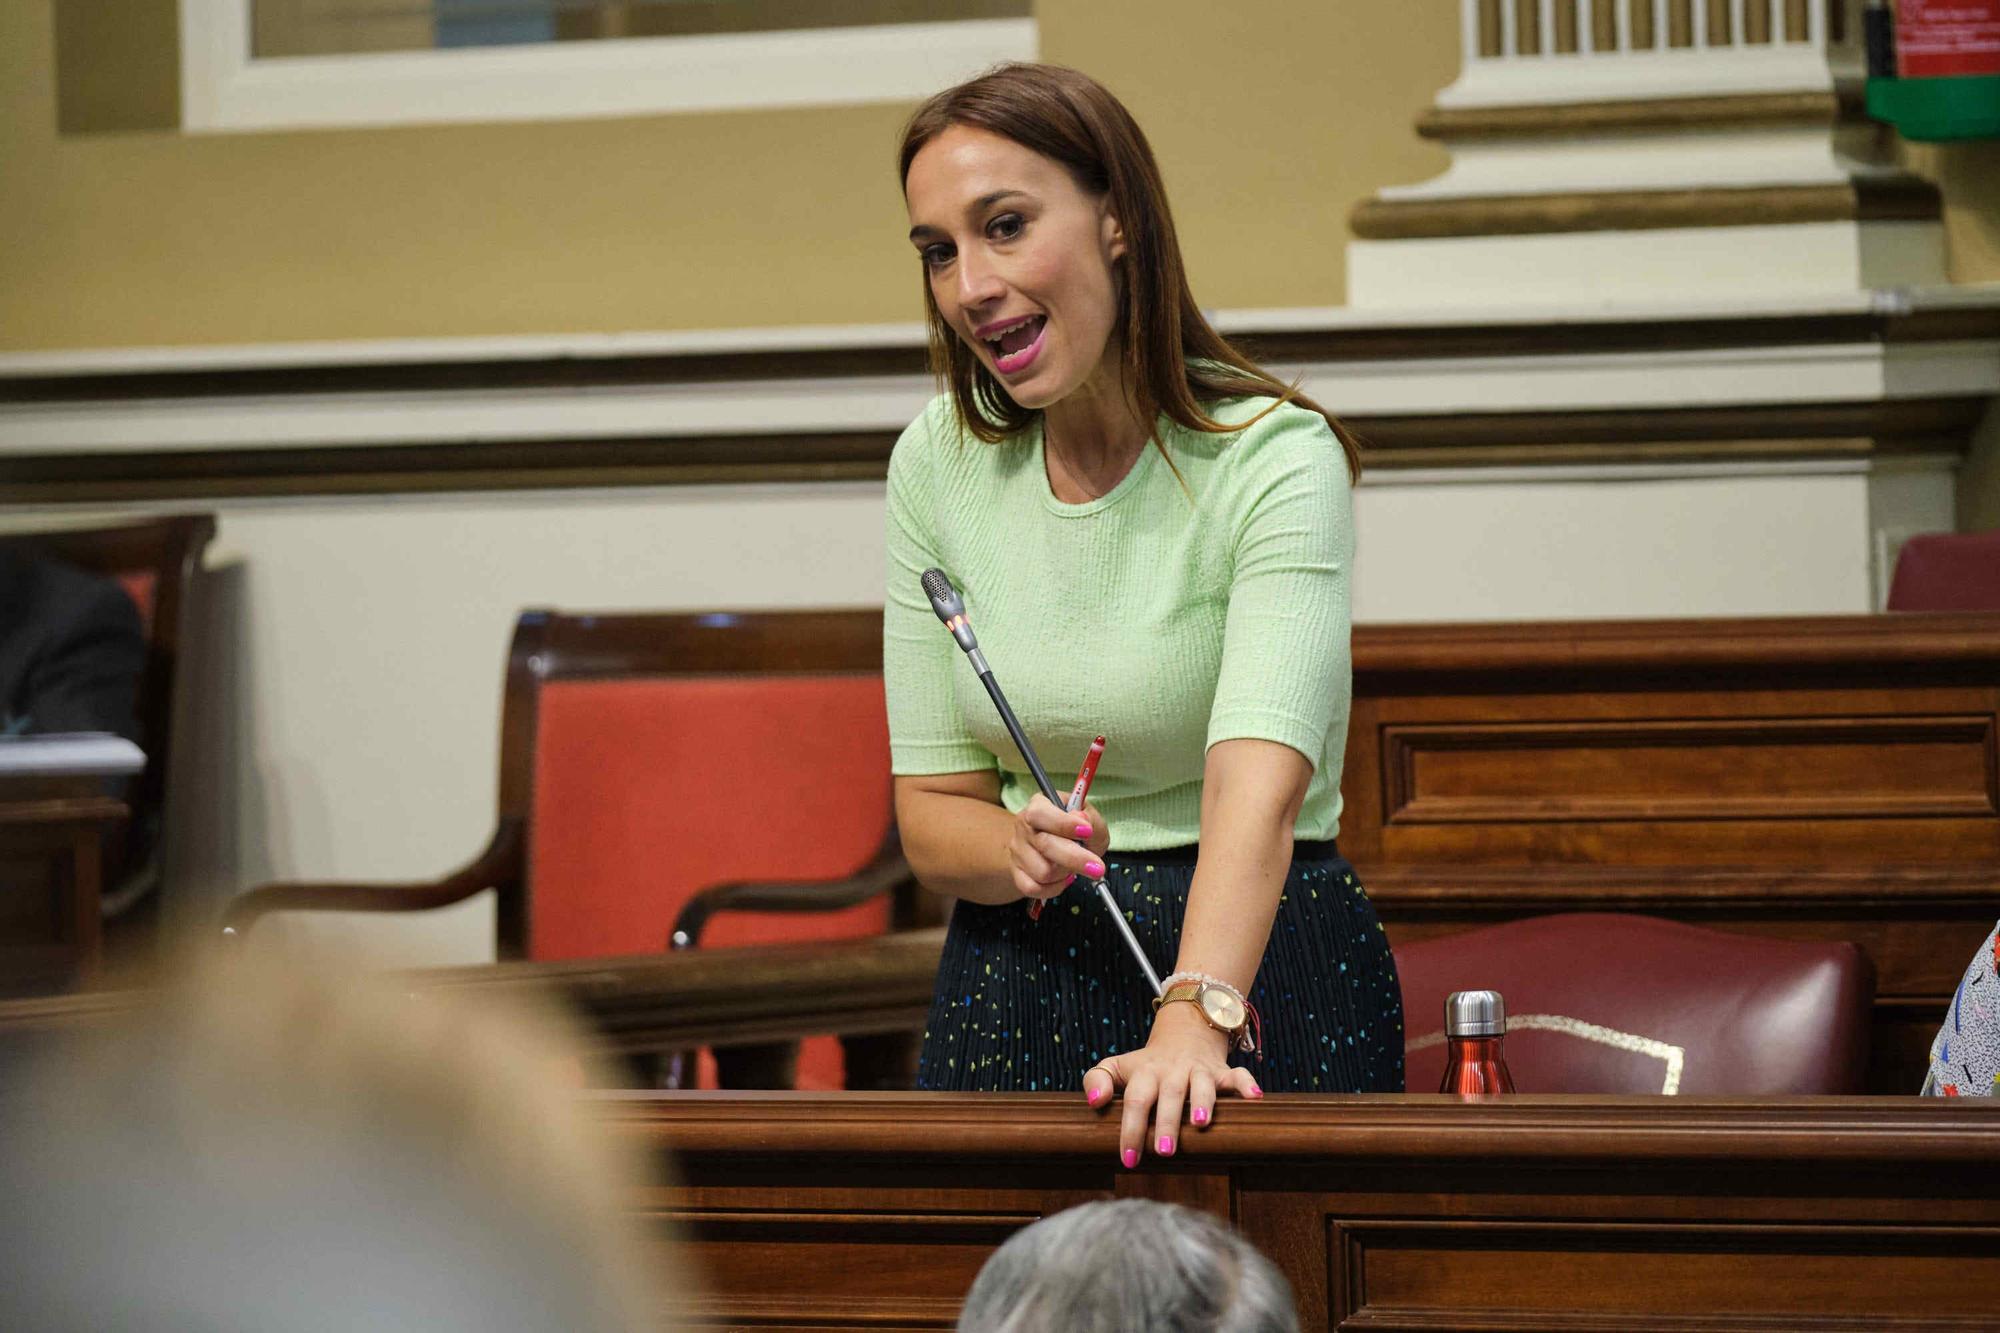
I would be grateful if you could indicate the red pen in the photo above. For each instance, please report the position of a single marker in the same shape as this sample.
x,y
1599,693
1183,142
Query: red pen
x,y
1084,777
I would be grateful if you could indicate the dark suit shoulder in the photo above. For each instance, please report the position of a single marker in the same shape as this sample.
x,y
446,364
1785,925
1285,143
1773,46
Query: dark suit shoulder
x,y
71,645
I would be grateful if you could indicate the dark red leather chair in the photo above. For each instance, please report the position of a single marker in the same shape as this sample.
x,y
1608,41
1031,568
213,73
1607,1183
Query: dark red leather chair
x,y
1948,571
1614,1003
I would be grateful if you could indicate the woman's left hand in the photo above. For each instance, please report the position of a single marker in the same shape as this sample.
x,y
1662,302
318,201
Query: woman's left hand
x,y
1185,1062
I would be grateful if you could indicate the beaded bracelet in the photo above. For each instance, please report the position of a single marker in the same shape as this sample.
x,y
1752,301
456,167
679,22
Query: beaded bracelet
x,y
1202,976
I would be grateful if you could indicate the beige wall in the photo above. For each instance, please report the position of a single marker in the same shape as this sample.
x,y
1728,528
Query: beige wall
x,y
1271,120
1969,176
119,236
345,720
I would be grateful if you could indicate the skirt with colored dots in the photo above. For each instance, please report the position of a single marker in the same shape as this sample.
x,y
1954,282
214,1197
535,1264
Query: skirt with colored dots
x,y
1028,1006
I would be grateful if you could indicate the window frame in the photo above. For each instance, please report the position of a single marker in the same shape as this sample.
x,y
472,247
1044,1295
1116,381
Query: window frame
x,y
224,89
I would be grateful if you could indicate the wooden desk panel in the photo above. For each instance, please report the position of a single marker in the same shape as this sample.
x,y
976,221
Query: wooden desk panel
x,y
51,886
1832,778
1397,1213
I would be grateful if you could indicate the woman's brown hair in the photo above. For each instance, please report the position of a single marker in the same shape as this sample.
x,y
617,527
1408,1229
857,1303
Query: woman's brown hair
x,y
1174,361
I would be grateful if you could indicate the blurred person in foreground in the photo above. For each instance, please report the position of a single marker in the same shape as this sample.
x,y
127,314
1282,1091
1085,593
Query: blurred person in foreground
x,y
1128,1264
267,1146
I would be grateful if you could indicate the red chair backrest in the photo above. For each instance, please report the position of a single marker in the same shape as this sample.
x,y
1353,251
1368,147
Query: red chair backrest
x,y
1610,998
141,585
1948,571
649,790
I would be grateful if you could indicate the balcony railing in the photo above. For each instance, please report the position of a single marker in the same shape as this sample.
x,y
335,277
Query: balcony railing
x,y
1520,52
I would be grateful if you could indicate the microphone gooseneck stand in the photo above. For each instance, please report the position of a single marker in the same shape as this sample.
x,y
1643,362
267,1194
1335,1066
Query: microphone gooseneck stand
x,y
950,609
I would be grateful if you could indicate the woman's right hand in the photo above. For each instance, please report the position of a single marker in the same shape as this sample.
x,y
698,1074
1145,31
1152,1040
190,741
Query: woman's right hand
x,y
1051,847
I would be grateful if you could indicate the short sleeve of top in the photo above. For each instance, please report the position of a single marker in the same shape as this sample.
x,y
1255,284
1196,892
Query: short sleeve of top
x,y
1286,674
927,733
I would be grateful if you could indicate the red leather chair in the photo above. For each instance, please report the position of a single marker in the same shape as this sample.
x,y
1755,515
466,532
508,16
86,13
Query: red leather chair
x,y
669,781
1947,571
1614,1003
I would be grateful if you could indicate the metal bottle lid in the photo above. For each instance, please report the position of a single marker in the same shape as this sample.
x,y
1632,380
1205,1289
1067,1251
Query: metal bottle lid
x,y
1475,1013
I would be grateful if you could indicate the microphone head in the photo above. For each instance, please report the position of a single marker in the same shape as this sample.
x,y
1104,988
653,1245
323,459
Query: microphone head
x,y
944,598
945,601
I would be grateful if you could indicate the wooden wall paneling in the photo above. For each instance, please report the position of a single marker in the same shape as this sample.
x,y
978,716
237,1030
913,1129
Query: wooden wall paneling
x,y
1729,774
1398,1213
1831,778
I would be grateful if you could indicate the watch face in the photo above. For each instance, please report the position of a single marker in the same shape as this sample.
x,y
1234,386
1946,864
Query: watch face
x,y
1222,1008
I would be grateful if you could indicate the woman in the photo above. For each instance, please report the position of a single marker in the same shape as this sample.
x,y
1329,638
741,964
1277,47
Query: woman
x,y
1153,537
1115,1265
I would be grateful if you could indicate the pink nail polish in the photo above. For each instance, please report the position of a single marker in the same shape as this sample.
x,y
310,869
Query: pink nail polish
x,y
1130,1157
1254,1093
1071,880
1094,869
1200,1116
1166,1146
1083,830
1094,1096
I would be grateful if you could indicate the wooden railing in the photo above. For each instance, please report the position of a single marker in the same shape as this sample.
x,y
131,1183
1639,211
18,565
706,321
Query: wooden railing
x,y
1392,1213
1579,50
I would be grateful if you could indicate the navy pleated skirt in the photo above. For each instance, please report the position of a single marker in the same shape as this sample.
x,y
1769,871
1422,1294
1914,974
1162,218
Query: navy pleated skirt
x,y
1029,1006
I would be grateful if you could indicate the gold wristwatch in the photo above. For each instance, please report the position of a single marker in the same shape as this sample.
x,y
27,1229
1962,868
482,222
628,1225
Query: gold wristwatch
x,y
1221,1007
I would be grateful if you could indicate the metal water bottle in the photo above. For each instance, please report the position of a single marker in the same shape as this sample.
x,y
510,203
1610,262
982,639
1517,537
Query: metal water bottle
x,y
1475,1028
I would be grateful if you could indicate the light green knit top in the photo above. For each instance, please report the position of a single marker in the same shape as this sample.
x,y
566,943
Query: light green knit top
x,y
1164,621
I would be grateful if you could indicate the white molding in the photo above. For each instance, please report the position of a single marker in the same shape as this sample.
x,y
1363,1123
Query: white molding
x,y
833,337
1693,470
1529,383
491,347
1557,80
1860,372
730,407
1812,260
224,89
1718,159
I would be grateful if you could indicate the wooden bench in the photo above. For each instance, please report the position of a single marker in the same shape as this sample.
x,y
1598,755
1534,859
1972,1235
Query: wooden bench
x,y
674,780
1824,778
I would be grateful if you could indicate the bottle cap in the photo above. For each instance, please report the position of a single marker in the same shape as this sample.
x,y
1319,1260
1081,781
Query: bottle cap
x,y
1475,1013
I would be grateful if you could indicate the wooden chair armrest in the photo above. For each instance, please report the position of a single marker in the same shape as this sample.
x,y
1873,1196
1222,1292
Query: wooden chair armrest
x,y
887,873
495,868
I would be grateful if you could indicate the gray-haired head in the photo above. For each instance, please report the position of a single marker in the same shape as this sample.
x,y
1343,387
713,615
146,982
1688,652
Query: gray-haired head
x,y
1128,1264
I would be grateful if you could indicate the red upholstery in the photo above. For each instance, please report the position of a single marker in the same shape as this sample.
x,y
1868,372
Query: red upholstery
x,y
649,790
1750,1015
1948,571
140,586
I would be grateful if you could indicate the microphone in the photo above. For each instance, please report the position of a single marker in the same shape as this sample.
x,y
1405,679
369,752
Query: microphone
x,y
945,602
950,609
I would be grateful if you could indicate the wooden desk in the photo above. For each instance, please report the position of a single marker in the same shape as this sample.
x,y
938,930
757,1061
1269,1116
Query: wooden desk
x,y
1825,778
664,1001
53,834
1422,1213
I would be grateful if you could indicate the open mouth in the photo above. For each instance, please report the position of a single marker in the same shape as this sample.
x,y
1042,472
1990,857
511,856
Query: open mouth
x,y
1016,346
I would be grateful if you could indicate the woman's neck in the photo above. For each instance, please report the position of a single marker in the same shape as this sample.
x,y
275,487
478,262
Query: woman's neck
x,y
1092,438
